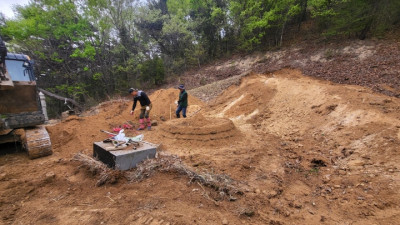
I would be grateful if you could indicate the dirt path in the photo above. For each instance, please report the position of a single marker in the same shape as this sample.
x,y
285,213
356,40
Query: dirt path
x,y
303,151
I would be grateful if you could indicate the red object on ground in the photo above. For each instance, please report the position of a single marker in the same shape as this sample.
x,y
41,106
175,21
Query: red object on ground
x,y
117,129
127,126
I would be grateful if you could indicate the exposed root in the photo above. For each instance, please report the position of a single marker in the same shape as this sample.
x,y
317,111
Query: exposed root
x,y
166,163
107,175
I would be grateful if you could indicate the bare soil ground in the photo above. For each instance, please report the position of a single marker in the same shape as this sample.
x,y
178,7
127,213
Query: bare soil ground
x,y
280,146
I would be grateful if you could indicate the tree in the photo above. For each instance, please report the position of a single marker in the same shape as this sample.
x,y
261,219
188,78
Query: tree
x,y
168,35
355,17
122,44
259,20
59,38
152,71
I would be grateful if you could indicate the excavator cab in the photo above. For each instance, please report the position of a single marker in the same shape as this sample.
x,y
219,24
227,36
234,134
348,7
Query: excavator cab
x,y
21,113
19,100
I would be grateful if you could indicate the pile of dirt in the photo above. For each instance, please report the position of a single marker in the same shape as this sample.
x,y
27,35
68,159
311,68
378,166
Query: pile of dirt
x,y
77,133
200,128
164,106
242,102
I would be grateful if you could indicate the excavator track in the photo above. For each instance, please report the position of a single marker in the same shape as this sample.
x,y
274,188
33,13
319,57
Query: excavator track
x,y
37,142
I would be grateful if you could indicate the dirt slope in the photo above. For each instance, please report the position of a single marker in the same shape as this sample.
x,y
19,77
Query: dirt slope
x,y
303,151
370,63
337,143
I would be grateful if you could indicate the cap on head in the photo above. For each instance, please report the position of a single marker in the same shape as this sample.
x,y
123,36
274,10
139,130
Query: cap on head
x,y
132,90
181,86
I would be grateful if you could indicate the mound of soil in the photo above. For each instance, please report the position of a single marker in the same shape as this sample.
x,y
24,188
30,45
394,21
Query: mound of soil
x,y
200,128
243,101
164,106
77,133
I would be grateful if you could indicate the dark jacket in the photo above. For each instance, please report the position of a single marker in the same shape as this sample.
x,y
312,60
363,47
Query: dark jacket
x,y
183,99
143,99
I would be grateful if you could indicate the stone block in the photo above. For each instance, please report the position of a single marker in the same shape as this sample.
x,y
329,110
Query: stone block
x,y
123,159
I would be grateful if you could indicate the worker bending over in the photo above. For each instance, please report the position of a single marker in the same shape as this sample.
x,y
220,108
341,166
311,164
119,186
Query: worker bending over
x,y
145,104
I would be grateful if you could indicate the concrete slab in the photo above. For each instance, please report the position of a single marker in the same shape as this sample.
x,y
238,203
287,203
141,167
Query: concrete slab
x,y
123,159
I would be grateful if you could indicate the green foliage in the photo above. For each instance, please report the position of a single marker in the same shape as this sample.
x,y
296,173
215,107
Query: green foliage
x,y
72,90
54,30
258,20
88,52
355,17
152,71
97,76
175,36
180,8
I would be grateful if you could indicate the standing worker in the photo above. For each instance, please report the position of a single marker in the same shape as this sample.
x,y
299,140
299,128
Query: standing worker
x,y
182,102
145,104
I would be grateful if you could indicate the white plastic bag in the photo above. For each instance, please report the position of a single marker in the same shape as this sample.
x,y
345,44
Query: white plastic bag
x,y
137,138
120,136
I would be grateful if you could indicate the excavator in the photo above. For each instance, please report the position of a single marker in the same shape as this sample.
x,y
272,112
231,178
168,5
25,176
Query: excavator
x,y
22,117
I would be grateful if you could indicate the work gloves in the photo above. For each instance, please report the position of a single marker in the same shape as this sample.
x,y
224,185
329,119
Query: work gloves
x,y
147,109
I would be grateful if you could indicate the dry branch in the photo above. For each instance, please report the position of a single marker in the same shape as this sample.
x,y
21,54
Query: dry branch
x,y
96,167
173,164
73,102
165,163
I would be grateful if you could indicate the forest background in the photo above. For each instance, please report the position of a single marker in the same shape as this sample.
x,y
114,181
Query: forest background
x,y
93,50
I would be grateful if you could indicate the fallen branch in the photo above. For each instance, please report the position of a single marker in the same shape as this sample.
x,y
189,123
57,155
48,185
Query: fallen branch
x,y
107,175
172,164
165,163
73,102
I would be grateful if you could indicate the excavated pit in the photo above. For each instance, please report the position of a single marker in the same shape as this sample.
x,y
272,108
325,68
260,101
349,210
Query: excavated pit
x,y
200,128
